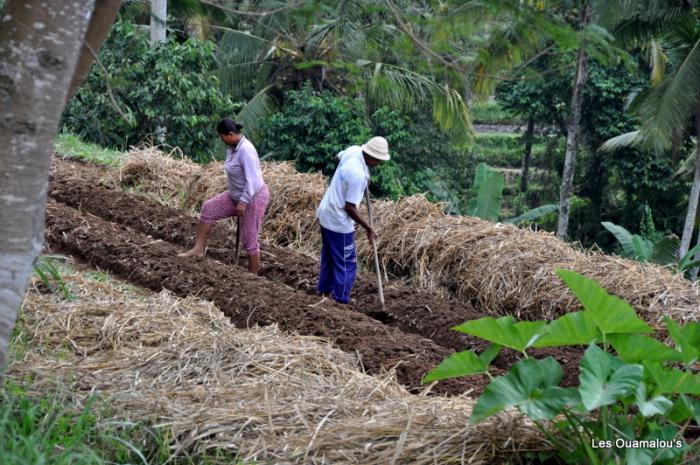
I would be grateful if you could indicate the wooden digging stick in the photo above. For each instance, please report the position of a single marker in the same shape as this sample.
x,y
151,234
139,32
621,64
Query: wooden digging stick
x,y
238,238
376,255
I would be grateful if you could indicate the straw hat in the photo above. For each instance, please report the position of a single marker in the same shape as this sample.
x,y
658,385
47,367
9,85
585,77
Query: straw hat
x,y
377,147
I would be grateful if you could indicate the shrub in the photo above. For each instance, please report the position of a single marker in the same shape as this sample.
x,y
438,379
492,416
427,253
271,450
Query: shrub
x,y
312,128
169,85
631,407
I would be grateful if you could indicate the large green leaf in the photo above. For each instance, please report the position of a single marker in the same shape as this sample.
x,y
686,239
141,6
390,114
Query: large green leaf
x,y
665,251
488,186
532,386
463,363
659,405
643,248
634,348
684,408
534,214
681,337
605,379
623,236
611,314
504,331
673,380
687,261
575,328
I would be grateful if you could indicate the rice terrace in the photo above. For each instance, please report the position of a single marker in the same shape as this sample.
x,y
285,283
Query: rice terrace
x,y
327,232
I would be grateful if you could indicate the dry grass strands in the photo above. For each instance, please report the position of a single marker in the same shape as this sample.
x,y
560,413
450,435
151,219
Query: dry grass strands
x,y
269,397
161,176
511,271
291,214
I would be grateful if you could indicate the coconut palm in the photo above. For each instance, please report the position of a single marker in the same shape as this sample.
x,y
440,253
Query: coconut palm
x,y
351,48
670,31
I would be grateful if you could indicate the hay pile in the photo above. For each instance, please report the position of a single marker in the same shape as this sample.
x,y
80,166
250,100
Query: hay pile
x,y
291,213
161,176
271,398
509,270
502,268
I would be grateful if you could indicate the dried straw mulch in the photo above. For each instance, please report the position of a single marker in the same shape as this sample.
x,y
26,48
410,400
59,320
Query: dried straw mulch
x,y
502,268
158,175
510,270
267,396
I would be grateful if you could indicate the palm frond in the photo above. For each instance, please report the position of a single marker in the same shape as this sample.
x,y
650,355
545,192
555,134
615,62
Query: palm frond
x,y
257,110
658,59
629,139
240,55
397,87
638,15
671,104
534,214
451,114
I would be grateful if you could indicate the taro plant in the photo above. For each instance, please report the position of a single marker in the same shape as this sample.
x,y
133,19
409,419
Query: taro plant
x,y
636,399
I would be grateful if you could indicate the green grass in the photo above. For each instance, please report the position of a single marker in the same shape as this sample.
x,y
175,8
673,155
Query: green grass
x,y
492,113
71,146
52,429
47,431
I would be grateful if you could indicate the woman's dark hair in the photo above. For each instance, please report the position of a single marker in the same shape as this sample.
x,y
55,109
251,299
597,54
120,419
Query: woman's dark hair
x,y
227,126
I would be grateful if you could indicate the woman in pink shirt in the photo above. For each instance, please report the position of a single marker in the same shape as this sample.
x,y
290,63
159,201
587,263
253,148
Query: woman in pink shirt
x,y
247,195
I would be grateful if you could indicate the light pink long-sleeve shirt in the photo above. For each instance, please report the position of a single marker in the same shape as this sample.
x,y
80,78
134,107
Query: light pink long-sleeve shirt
x,y
242,168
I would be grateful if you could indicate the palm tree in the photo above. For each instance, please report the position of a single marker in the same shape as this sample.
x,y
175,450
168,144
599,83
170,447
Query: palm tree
x,y
520,32
352,48
670,31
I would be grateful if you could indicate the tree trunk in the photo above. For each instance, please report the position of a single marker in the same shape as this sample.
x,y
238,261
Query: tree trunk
x,y
159,15
529,136
573,130
689,225
100,24
572,134
40,42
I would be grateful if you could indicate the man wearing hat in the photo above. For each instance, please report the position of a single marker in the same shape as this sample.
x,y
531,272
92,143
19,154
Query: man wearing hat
x,y
338,213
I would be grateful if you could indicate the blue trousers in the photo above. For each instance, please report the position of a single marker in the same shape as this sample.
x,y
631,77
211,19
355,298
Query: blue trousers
x,y
338,265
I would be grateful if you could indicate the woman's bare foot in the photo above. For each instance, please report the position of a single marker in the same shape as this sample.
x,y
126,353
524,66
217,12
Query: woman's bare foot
x,y
192,253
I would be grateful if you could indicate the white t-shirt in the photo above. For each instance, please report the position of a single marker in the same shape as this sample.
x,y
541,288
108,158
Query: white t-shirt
x,y
347,185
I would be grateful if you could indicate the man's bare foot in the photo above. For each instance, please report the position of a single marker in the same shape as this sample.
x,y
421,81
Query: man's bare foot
x,y
192,253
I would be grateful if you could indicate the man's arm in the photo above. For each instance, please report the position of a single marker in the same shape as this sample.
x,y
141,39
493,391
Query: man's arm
x,y
352,211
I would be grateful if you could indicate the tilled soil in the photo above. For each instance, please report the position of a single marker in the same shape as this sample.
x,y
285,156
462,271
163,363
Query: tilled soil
x,y
410,315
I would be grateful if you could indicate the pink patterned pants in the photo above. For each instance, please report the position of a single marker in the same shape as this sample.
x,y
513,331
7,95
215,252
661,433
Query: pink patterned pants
x,y
222,206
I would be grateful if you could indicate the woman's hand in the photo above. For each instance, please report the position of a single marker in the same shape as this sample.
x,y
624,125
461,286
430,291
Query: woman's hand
x,y
240,209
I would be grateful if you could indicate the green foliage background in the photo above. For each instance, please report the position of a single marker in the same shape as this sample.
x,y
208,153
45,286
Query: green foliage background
x,y
169,85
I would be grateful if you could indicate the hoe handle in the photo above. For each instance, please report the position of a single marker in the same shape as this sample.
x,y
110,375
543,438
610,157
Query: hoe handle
x,y
376,255
238,238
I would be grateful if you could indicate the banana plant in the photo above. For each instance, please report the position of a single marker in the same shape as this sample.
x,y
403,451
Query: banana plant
x,y
636,395
488,195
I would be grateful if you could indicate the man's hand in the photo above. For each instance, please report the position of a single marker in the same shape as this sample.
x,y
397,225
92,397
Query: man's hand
x,y
240,209
371,234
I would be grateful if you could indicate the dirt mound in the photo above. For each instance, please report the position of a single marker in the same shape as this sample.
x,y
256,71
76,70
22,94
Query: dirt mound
x,y
407,309
247,299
